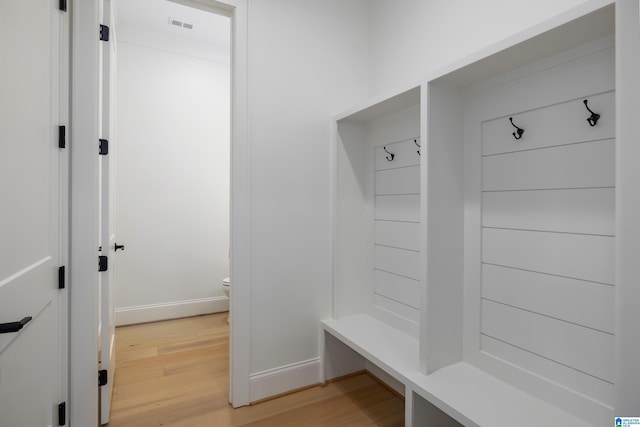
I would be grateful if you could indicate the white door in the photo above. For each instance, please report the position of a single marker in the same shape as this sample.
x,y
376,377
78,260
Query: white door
x,y
107,219
33,212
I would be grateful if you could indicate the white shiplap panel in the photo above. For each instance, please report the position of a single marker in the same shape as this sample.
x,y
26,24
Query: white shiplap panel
x,y
405,154
398,208
595,388
397,261
583,165
588,211
559,124
398,181
399,288
405,235
584,349
578,256
396,308
585,303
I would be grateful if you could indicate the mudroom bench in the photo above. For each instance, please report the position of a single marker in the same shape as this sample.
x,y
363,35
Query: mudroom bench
x,y
459,394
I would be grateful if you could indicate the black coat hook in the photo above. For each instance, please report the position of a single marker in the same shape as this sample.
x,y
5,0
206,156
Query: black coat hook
x,y
518,131
415,141
390,154
594,116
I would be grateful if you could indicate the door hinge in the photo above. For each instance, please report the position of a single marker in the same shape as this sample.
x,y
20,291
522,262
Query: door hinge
x,y
62,137
61,277
103,263
62,5
103,377
103,147
104,33
62,414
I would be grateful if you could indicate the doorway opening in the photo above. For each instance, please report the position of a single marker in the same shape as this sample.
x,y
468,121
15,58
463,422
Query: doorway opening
x,y
172,162
171,159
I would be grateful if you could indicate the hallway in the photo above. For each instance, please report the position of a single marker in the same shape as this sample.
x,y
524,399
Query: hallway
x,y
175,373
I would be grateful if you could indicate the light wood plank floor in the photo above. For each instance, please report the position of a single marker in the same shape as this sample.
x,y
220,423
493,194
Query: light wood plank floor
x,y
175,373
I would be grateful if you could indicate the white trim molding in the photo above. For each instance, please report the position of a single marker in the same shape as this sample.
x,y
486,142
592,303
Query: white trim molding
x,y
170,310
284,379
240,266
83,274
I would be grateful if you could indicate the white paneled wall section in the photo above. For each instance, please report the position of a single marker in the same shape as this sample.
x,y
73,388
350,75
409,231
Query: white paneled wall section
x,y
547,221
516,245
378,215
396,229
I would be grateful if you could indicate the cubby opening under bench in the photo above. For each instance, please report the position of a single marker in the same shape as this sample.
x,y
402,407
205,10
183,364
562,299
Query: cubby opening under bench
x,y
484,237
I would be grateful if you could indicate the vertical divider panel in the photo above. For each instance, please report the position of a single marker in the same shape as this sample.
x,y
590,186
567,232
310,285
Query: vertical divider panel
x,y
442,214
627,352
350,248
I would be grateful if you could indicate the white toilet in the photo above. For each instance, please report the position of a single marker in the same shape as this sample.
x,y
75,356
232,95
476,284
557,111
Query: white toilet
x,y
226,287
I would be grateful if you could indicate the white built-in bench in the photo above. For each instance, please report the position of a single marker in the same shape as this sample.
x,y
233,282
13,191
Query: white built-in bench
x,y
464,393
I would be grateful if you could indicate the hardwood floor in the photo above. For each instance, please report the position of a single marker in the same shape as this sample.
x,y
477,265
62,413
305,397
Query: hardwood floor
x,y
175,373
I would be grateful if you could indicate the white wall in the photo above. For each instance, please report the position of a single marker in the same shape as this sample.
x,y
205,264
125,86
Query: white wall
x,y
410,38
308,61
172,160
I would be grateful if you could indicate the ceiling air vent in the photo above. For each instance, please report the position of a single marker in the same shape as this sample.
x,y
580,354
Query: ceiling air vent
x,y
178,23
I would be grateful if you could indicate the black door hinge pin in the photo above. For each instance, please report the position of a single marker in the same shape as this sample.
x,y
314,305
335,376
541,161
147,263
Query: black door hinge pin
x,y
103,263
61,277
103,147
62,137
104,33
103,377
62,413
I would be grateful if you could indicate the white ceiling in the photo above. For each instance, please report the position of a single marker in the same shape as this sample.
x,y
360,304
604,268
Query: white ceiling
x,y
153,16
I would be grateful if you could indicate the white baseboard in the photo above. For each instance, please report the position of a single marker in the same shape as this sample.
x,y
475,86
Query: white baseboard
x,y
286,378
170,310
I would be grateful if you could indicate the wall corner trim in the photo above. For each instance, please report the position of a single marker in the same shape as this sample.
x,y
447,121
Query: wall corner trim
x,y
284,379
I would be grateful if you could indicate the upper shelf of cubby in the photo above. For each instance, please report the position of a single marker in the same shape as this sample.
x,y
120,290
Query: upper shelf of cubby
x,y
587,22
382,107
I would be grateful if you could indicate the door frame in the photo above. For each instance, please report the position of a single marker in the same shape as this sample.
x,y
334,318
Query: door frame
x,y
83,271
